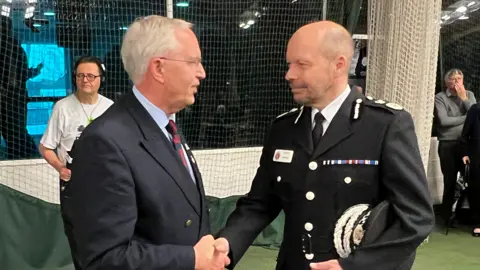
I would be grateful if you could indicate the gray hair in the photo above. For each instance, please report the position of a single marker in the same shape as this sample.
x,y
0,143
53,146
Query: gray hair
x,y
452,72
146,38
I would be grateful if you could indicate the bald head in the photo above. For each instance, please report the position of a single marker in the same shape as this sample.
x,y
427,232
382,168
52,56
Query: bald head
x,y
319,56
331,39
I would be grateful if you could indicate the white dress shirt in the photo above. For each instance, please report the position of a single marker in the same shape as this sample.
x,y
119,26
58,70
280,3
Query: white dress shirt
x,y
331,109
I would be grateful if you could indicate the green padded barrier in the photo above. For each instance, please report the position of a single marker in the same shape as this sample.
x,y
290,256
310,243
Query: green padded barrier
x,y
220,209
31,234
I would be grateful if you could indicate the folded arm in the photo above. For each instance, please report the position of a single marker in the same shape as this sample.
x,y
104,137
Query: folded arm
x,y
404,181
441,114
468,103
102,203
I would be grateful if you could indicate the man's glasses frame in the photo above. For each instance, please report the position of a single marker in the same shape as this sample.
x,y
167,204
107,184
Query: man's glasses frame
x,y
90,77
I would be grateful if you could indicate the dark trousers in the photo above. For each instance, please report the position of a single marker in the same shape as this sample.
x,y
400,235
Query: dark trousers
x,y
450,153
474,192
67,225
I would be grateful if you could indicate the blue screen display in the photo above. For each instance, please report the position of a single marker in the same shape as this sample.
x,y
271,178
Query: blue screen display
x,y
52,81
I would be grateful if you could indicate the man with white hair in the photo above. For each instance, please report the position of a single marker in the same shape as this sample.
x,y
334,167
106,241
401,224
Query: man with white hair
x,y
136,198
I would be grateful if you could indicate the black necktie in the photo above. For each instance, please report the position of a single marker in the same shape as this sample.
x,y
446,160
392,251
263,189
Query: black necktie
x,y
317,132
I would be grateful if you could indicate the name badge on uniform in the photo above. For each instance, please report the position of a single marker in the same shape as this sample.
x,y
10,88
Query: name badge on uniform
x,y
283,156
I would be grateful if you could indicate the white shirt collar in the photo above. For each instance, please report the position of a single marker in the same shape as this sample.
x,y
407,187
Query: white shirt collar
x,y
449,93
331,109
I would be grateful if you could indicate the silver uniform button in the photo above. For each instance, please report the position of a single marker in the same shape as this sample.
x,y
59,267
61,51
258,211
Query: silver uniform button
x,y
313,165
310,195
347,180
308,226
279,178
309,256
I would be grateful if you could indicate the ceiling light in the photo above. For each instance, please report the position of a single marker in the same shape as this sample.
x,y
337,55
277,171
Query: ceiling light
x,y
461,9
182,4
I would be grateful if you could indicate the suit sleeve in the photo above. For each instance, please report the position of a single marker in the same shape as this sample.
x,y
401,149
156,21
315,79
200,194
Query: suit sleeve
x,y
404,181
253,212
101,203
443,119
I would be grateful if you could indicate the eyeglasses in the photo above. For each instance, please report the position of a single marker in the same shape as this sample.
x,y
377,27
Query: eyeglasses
x,y
196,62
90,77
451,79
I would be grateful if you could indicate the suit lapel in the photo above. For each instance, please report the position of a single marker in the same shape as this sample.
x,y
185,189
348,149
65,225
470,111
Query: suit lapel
x,y
196,171
303,130
340,128
160,148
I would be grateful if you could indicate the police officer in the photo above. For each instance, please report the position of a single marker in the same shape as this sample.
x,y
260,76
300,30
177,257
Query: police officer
x,y
339,149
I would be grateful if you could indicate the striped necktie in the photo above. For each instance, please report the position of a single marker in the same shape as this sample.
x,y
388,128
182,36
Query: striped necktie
x,y
177,144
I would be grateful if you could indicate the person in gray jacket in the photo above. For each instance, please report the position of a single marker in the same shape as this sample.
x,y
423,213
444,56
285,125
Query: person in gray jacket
x,y
451,106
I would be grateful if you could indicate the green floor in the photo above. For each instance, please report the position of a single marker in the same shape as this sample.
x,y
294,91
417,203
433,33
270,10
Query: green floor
x,y
457,251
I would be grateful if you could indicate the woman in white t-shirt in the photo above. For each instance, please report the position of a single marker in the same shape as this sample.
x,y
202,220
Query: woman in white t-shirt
x,y
73,113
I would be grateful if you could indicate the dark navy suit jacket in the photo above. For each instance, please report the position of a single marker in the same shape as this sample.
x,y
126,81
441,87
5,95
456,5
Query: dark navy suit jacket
x,y
131,203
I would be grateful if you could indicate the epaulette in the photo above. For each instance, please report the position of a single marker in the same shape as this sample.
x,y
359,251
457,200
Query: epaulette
x,y
379,103
291,112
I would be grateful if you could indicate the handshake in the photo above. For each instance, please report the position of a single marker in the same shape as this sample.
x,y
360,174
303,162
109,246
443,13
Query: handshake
x,y
211,254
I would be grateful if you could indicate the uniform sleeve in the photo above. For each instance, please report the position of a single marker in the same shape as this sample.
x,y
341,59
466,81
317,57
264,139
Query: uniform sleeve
x,y
442,117
101,204
253,212
53,133
404,181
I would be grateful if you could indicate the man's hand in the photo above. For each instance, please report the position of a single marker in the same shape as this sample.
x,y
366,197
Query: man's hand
x,y
211,254
220,254
466,160
65,174
461,92
328,265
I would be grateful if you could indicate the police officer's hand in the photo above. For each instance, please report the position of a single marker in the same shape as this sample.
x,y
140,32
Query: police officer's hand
x,y
328,265
220,253
466,160
210,254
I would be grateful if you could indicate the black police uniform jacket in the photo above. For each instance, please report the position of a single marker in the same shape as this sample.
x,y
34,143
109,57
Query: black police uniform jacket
x,y
376,146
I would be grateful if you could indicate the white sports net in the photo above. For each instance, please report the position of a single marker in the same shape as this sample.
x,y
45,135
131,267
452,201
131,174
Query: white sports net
x,y
243,49
243,45
402,59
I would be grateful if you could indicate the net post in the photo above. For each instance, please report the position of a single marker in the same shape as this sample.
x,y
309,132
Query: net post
x,y
324,10
169,9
